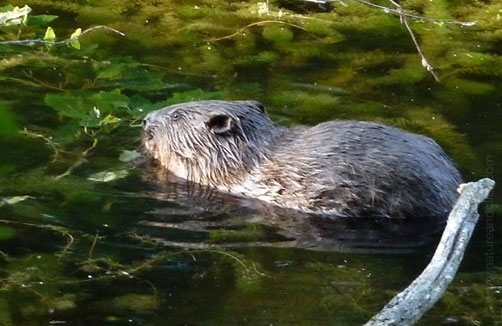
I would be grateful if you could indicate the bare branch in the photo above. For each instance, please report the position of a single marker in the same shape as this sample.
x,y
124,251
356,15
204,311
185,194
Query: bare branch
x,y
404,21
260,23
407,307
398,13
67,41
403,18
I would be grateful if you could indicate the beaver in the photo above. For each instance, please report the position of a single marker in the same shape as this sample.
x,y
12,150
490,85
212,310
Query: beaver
x,y
336,168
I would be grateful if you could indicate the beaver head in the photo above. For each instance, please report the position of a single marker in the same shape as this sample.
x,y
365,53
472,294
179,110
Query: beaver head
x,y
210,142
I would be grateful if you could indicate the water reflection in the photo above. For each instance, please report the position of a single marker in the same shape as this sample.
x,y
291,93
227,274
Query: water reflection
x,y
192,216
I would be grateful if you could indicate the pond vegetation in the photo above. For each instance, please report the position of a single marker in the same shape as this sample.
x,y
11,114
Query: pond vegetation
x,y
78,76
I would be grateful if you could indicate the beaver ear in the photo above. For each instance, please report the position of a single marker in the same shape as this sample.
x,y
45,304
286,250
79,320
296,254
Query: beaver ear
x,y
220,123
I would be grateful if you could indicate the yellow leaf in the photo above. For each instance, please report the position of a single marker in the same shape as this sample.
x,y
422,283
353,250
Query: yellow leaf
x,y
75,43
50,35
76,34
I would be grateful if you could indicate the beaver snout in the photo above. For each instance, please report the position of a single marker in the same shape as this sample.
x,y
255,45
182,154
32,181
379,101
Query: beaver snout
x,y
153,118
148,128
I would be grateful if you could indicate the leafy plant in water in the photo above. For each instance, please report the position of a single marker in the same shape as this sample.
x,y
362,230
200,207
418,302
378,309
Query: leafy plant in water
x,y
90,108
10,15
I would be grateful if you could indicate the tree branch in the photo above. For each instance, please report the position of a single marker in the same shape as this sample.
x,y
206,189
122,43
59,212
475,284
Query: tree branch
x,y
67,41
408,306
404,20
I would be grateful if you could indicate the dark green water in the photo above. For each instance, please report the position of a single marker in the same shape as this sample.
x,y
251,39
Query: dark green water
x,y
77,250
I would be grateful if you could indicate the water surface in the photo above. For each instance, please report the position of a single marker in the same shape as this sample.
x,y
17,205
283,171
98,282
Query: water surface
x,y
88,237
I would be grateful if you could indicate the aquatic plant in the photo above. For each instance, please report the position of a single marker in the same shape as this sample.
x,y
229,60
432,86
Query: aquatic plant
x,y
72,94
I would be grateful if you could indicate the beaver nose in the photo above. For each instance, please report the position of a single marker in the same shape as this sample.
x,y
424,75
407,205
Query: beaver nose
x,y
148,120
148,129
147,124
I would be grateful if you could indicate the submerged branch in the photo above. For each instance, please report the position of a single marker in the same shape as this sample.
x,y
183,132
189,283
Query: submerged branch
x,y
260,23
48,140
407,307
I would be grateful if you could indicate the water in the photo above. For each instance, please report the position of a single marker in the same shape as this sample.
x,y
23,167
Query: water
x,y
78,250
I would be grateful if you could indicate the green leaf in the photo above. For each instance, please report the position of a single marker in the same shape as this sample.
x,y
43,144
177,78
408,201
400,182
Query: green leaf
x,y
75,44
69,104
50,35
109,100
88,107
40,20
6,8
130,75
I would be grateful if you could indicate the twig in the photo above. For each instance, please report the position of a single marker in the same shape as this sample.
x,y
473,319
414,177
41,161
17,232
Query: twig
x,y
93,246
81,159
403,18
263,22
404,21
68,171
49,141
73,39
398,13
41,83
54,228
